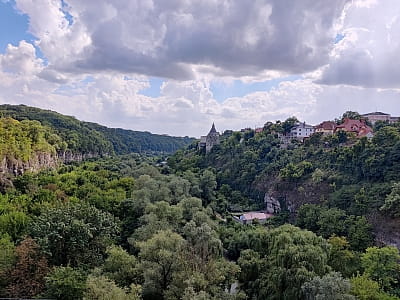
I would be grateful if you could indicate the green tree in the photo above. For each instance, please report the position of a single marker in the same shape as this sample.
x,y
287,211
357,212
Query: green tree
x,y
392,201
7,260
65,283
341,258
120,267
208,184
292,257
74,234
102,288
365,288
161,258
331,286
382,265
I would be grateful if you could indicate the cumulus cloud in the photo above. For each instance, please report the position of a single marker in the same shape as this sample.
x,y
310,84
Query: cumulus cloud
x,y
98,54
368,54
170,38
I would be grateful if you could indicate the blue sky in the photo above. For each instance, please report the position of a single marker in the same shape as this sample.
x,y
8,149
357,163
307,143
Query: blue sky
x,y
13,26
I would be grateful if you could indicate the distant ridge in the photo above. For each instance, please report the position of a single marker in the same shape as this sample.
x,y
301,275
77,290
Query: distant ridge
x,y
92,138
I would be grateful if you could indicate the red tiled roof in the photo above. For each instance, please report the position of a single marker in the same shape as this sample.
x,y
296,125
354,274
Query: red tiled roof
x,y
352,125
326,125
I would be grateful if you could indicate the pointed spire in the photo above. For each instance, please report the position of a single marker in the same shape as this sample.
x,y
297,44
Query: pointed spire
x,y
213,130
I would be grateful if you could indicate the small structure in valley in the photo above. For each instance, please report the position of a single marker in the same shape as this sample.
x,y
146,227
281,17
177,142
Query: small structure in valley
x,y
210,140
250,217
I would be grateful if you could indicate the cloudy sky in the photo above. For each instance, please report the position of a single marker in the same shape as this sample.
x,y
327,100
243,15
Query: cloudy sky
x,y
176,66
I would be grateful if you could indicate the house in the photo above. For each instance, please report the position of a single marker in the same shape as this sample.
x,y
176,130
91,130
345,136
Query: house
x,y
373,117
210,140
357,126
380,116
326,127
259,130
249,217
301,131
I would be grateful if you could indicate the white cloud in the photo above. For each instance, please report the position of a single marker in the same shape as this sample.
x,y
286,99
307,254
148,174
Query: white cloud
x,y
96,66
368,55
172,38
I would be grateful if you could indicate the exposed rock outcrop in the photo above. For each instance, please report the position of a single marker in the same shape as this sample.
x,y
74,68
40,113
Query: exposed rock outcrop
x,y
272,205
10,166
37,162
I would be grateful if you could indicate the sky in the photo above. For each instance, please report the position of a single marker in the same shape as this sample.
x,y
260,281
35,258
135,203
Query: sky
x,y
175,67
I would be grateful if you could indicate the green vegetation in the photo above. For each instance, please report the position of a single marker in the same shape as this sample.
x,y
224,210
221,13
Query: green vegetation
x,y
90,138
128,227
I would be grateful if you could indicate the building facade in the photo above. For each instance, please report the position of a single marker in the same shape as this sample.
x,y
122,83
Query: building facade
x,y
301,131
326,127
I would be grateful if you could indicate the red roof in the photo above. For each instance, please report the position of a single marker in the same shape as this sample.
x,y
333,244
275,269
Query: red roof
x,y
326,125
357,126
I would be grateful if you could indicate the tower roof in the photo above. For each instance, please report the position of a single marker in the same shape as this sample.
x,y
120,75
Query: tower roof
x,y
213,130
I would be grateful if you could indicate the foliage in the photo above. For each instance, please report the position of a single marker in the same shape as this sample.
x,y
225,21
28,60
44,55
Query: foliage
x,y
392,201
365,288
65,283
331,286
27,277
74,234
101,288
84,137
382,265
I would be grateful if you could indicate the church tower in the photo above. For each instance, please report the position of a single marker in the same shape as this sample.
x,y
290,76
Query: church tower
x,y
210,140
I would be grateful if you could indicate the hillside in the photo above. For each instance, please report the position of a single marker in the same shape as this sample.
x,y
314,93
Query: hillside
x,y
128,227
93,139
354,177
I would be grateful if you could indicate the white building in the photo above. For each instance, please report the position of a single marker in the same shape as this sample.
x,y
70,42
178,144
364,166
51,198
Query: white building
x,y
301,131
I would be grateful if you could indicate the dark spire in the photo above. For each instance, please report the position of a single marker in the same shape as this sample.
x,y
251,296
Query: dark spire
x,y
213,130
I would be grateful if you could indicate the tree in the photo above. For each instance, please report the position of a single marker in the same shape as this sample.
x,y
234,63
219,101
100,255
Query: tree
x,y
120,267
65,283
7,260
160,259
208,184
27,277
341,259
331,286
382,265
392,201
291,257
365,288
74,234
289,123
250,265
102,288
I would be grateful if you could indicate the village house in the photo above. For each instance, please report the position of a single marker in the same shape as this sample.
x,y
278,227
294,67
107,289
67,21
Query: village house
x,y
301,131
373,117
326,127
250,217
356,126
210,140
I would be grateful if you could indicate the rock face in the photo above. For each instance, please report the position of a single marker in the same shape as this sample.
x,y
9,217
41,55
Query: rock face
x,y
272,205
38,161
68,156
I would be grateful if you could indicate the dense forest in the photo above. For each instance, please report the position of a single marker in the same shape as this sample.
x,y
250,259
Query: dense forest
x,y
94,139
133,227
